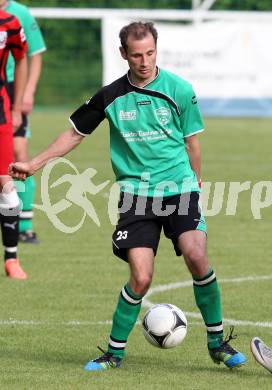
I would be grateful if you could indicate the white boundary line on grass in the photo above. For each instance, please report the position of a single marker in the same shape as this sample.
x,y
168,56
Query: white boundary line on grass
x,y
147,303
12,321
188,283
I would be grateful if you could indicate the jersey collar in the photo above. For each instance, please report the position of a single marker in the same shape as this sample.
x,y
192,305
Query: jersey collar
x,y
150,82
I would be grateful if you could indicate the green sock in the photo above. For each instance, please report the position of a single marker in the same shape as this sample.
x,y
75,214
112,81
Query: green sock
x,y
208,300
124,319
27,199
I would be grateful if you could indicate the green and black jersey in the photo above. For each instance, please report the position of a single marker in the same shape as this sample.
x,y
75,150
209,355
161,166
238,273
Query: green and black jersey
x,y
32,32
148,127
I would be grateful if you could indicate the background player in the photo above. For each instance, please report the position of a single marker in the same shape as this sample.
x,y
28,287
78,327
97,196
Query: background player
x,y
262,353
12,39
36,46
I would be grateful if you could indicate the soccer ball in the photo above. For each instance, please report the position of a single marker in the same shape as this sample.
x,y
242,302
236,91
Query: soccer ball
x,y
164,325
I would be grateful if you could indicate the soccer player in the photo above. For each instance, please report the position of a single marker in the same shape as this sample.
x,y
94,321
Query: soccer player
x,y
12,39
154,124
36,46
262,353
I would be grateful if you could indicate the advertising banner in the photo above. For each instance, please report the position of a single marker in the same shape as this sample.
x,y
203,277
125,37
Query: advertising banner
x,y
228,63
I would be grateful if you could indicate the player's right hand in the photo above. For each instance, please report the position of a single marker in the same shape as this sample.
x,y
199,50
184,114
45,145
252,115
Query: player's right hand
x,y
20,170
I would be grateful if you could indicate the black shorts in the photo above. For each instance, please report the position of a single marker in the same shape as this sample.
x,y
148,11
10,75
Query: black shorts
x,y
22,130
142,219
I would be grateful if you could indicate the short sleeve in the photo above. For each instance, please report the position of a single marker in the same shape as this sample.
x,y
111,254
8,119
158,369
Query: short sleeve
x,y
191,118
87,117
17,40
33,34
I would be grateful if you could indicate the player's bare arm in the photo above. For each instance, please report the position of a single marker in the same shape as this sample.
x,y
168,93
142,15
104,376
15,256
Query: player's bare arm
x,y
194,152
20,76
62,145
35,66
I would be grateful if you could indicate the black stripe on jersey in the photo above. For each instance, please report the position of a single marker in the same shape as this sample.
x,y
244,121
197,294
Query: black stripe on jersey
x,y
118,88
14,46
151,92
87,117
6,20
13,31
2,112
122,86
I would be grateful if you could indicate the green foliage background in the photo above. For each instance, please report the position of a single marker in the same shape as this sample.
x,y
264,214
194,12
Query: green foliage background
x,y
260,5
72,69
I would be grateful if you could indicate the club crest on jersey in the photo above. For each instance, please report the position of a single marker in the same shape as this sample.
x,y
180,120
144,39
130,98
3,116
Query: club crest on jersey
x,y
163,115
3,39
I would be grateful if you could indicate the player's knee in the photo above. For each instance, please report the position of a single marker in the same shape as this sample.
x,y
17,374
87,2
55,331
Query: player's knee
x,y
9,203
141,284
197,262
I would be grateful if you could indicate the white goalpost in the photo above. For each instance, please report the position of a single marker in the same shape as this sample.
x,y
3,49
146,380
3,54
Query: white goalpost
x,y
200,14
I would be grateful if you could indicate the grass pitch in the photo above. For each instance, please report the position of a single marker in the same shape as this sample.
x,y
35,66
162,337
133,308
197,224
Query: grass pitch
x,y
51,323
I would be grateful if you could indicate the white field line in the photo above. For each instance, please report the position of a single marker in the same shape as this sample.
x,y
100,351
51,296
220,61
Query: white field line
x,y
147,303
171,286
77,323
67,323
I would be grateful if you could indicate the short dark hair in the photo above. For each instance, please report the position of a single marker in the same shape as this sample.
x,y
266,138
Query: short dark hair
x,y
138,30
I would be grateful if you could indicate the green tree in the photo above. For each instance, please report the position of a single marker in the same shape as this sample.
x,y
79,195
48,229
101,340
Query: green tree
x,y
243,5
251,5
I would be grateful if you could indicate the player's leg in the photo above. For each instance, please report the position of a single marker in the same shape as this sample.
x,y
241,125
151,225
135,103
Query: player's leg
x,y
141,263
206,290
9,207
135,240
187,229
208,298
27,196
26,233
262,353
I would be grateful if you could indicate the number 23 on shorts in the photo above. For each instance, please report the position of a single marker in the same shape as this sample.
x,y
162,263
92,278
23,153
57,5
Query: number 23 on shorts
x,y
121,235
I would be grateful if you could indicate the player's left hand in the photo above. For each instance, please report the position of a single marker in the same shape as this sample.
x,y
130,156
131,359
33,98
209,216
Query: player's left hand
x,y
28,102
